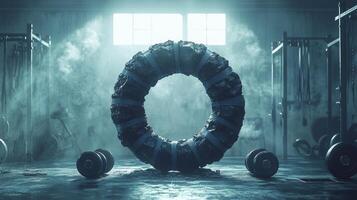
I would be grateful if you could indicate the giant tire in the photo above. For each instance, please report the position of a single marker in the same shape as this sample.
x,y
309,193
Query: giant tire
x,y
222,85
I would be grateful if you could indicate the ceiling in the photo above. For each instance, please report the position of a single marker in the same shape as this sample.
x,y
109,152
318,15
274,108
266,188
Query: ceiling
x,y
167,5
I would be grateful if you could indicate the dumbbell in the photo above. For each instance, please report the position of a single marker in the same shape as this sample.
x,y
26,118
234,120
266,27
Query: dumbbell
x,y
351,136
261,163
3,151
303,148
94,164
335,139
318,150
341,160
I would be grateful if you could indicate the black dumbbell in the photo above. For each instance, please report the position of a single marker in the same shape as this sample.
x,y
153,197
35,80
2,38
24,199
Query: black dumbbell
x,y
94,164
351,136
261,163
335,139
303,148
319,150
109,158
341,160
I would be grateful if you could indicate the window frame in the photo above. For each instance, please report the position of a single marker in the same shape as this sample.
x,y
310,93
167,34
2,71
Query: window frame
x,y
184,30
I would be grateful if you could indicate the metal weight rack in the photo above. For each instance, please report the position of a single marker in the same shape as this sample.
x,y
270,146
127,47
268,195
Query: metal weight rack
x,y
281,79
29,52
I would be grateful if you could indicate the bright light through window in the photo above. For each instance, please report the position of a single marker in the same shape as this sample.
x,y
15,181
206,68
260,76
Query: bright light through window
x,y
207,28
145,29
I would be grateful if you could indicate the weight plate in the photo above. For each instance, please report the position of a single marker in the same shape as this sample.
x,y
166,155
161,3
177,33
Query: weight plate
x,y
335,139
266,164
90,164
319,127
104,160
3,151
249,159
110,159
341,160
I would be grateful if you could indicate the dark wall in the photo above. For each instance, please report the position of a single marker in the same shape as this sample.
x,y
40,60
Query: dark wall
x,y
85,64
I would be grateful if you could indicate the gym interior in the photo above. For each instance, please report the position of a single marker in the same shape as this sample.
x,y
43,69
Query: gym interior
x,y
191,99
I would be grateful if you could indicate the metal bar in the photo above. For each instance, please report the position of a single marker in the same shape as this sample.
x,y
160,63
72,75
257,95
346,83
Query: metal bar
x,y
48,74
38,39
277,48
343,73
330,44
12,35
307,38
3,90
29,59
329,87
284,98
300,96
347,12
13,39
273,111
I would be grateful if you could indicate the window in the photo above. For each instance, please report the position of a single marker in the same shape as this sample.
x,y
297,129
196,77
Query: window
x,y
150,28
145,29
207,28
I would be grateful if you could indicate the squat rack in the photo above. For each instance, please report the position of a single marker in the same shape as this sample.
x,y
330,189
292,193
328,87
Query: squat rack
x,y
343,18
281,47
341,156
28,39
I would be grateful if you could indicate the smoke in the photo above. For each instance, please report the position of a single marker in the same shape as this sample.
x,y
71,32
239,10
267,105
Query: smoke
x,y
177,106
76,85
251,136
79,46
250,131
70,55
249,59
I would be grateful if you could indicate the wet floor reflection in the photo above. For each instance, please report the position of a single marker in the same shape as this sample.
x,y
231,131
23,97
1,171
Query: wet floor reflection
x,y
132,180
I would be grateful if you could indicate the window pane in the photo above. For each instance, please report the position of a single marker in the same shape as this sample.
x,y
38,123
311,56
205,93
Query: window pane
x,y
216,21
196,21
143,29
166,27
122,29
196,28
142,21
216,37
198,36
207,28
141,37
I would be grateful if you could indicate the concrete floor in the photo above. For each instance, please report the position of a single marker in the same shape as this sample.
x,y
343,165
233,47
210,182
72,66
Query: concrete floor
x,y
130,179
